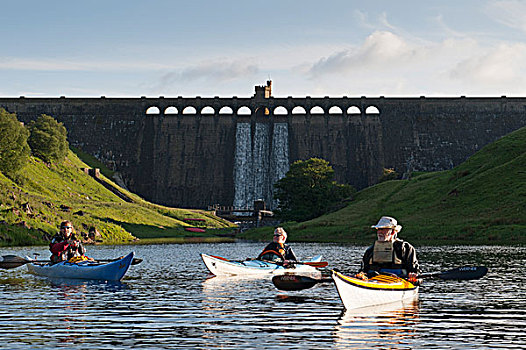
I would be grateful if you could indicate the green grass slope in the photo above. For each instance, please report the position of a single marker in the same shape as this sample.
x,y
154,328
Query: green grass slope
x,y
44,195
482,201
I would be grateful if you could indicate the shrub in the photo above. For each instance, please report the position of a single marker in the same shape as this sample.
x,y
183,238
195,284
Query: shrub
x,y
48,139
14,150
388,174
308,190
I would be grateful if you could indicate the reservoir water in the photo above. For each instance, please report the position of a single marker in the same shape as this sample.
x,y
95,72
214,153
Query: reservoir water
x,y
169,301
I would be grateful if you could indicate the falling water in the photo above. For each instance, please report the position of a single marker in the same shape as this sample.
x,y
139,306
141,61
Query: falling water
x,y
243,193
260,156
279,158
259,163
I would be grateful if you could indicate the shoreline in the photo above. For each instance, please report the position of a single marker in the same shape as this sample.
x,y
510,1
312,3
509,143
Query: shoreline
x,y
200,239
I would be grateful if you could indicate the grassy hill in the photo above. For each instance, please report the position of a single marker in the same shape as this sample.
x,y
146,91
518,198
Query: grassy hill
x,y
44,195
482,201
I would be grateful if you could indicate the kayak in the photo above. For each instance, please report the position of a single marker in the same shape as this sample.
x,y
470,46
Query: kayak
x,y
90,270
382,289
195,229
220,266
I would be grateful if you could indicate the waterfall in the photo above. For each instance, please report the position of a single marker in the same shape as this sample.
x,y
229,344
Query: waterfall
x,y
243,179
260,156
259,163
279,158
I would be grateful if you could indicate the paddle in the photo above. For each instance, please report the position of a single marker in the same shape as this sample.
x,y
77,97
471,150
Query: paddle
x,y
459,273
310,263
298,282
13,261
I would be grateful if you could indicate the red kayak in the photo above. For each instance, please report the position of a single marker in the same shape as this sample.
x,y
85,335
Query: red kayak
x,y
195,229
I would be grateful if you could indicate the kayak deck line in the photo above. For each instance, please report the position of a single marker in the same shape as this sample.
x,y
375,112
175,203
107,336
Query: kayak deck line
x,y
380,282
67,263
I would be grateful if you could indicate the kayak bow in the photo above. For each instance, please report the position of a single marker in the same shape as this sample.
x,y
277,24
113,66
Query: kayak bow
x,y
382,289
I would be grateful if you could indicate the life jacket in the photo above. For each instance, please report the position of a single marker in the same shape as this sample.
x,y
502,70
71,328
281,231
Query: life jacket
x,y
275,255
77,259
69,252
384,259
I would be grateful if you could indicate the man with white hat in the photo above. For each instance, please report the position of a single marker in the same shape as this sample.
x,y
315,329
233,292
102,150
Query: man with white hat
x,y
389,254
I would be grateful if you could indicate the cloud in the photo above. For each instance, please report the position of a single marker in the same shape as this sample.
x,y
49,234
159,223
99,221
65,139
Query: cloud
x,y
361,18
379,21
46,64
381,49
385,22
511,13
213,71
387,63
505,65
219,71
386,55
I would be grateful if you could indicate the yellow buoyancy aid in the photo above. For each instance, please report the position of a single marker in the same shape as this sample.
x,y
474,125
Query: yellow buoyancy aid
x,y
77,259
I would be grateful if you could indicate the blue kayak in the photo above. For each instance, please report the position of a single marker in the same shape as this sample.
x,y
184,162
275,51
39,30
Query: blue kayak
x,y
90,270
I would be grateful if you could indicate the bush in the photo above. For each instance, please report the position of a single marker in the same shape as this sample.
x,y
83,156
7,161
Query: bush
x,y
14,150
388,174
48,139
308,190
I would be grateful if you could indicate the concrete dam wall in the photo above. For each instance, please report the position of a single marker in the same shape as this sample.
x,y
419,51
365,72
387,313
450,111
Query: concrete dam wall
x,y
195,152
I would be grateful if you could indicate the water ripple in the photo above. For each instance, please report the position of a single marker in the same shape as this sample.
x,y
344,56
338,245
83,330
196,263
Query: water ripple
x,y
169,301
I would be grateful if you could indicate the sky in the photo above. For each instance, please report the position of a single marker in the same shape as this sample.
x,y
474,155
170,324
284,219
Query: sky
x,y
191,48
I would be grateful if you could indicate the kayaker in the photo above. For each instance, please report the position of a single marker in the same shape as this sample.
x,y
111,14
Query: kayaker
x,y
278,251
389,254
65,245
92,236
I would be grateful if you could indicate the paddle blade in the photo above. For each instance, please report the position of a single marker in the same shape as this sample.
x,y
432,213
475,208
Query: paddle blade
x,y
293,282
12,261
296,282
461,273
315,263
136,261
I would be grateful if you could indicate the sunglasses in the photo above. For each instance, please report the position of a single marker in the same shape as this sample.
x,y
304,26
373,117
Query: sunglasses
x,y
67,226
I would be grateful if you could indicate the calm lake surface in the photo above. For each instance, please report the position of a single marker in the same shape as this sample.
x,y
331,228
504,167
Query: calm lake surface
x,y
169,302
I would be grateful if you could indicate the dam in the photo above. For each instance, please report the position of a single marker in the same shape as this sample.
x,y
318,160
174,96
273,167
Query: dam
x,y
198,151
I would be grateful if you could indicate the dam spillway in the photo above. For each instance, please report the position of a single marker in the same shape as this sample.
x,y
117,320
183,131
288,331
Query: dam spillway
x,y
260,161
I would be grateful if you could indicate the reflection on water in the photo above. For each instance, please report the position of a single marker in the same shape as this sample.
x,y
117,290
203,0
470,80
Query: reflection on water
x,y
169,301
381,326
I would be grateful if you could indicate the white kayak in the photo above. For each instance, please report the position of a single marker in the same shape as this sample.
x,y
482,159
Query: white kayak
x,y
382,289
220,266
89,270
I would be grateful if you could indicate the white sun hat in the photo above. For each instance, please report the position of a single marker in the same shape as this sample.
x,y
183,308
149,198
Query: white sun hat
x,y
387,222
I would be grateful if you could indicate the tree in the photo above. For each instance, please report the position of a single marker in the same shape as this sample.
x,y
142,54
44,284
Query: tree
x,y
48,139
14,150
308,190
